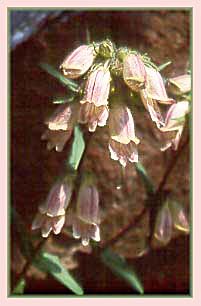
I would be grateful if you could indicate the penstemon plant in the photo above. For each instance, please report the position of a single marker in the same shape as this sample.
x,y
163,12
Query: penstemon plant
x,y
97,76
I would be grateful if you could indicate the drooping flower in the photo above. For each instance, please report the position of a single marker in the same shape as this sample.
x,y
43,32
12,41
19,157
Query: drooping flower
x,y
60,126
155,87
134,72
174,122
163,226
78,62
57,200
92,115
51,215
86,221
97,87
64,117
180,84
179,217
123,142
152,107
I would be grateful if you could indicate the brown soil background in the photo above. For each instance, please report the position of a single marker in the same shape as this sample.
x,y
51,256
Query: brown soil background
x,y
164,35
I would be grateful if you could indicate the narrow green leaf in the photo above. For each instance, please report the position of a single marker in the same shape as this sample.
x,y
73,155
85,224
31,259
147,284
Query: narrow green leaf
x,y
51,264
63,80
163,66
64,100
119,266
19,288
77,149
145,178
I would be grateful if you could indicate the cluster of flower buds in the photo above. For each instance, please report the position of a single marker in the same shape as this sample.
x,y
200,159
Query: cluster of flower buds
x,y
170,217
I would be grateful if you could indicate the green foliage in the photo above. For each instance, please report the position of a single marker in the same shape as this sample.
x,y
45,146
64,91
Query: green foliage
x,y
77,149
72,86
19,288
52,265
148,184
119,266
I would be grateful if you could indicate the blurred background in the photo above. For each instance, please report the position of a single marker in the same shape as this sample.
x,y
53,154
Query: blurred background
x,y
48,36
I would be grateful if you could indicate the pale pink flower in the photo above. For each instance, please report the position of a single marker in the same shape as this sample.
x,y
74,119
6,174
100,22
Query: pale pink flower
x,y
97,87
155,87
180,84
123,142
85,223
78,62
152,107
163,226
92,115
57,200
134,72
51,215
179,217
174,122
64,117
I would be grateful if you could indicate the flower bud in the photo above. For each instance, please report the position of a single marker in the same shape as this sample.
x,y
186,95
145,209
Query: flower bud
x,y
123,142
155,87
64,117
180,85
163,226
106,48
152,106
97,87
134,72
78,62
56,139
93,115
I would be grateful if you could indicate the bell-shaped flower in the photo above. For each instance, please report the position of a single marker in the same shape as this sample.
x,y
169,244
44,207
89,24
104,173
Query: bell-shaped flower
x,y
180,85
174,122
97,87
64,117
155,87
60,126
78,62
92,115
86,221
179,217
57,200
163,226
51,215
123,142
134,72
